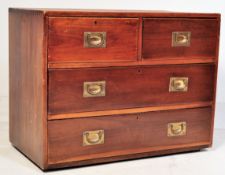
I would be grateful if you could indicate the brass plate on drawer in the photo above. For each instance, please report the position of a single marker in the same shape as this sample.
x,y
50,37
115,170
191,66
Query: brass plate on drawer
x,y
181,39
94,89
176,129
94,39
178,84
93,137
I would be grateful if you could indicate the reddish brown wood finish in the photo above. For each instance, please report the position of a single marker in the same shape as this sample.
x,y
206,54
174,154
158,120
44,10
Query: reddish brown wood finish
x,y
215,80
146,62
129,111
45,46
128,87
66,39
118,13
156,151
157,37
125,134
28,73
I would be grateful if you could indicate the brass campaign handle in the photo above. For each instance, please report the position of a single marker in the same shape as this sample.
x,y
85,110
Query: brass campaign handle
x,y
93,137
95,39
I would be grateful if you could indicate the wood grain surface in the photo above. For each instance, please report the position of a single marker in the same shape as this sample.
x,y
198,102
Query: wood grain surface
x,y
117,112
125,134
127,87
28,85
66,39
157,37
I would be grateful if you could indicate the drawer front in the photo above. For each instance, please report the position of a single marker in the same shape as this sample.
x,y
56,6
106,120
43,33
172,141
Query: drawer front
x,y
172,38
95,137
92,39
93,89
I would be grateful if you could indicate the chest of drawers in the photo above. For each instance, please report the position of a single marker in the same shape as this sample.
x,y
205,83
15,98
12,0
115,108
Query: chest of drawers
x,y
89,87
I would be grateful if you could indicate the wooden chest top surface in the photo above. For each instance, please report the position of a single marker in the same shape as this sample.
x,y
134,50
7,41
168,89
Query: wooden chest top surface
x,y
113,12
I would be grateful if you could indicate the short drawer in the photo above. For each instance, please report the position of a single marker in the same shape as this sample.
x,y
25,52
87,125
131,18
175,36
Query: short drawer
x,y
95,137
80,39
180,37
96,89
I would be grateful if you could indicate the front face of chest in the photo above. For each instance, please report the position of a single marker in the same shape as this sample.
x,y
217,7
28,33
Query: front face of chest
x,y
114,72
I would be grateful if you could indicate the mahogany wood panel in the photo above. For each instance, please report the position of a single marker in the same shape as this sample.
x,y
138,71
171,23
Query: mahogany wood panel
x,y
27,102
146,62
215,81
127,87
129,111
118,13
157,151
125,134
157,37
66,39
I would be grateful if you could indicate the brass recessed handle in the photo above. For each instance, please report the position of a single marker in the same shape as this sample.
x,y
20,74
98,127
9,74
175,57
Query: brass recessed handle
x,y
177,129
93,137
181,39
94,89
178,84
95,39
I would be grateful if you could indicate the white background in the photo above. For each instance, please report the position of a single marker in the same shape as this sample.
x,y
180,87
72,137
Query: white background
x,y
171,5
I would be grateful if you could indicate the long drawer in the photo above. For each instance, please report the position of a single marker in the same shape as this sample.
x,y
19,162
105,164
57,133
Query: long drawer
x,y
94,89
95,137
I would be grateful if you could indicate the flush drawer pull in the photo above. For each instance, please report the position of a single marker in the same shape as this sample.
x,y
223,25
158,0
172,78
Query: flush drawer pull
x,y
181,39
95,39
94,89
176,129
178,84
93,137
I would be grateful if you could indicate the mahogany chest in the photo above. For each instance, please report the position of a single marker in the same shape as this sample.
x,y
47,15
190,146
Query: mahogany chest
x,y
89,87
